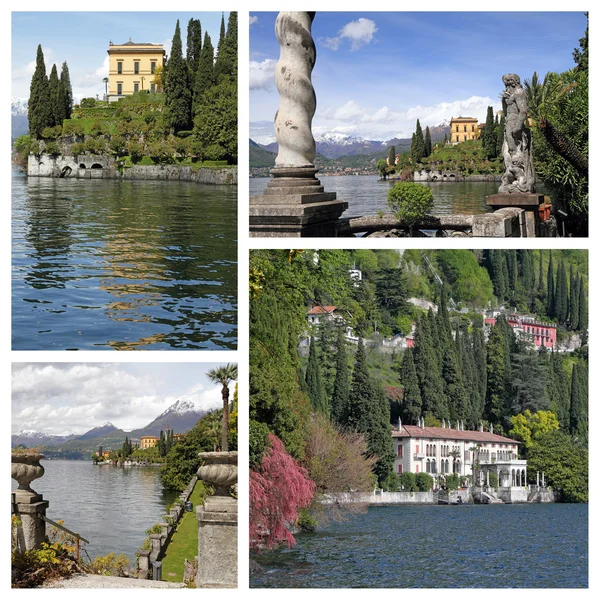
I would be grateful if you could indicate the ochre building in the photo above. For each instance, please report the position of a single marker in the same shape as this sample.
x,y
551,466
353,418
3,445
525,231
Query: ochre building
x,y
463,129
132,67
148,441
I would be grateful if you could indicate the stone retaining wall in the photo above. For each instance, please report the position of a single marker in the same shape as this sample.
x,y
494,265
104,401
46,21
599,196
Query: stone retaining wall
x,y
85,166
160,541
436,175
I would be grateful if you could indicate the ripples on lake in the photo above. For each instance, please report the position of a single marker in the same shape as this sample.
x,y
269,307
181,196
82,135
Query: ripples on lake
x,y
123,264
499,546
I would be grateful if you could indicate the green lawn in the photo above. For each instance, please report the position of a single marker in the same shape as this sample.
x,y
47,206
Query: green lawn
x,y
184,543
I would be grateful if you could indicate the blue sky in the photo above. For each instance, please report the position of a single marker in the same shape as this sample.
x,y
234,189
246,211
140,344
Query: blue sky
x,y
376,73
81,38
62,398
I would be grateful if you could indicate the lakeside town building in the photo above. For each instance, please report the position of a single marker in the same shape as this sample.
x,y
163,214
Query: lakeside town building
x,y
148,441
132,67
445,450
463,129
526,327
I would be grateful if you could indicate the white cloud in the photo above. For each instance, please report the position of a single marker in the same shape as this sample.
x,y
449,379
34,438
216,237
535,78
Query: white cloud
x,y
262,74
253,20
359,33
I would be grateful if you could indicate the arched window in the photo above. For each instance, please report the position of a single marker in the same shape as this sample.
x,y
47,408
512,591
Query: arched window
x,y
433,466
428,466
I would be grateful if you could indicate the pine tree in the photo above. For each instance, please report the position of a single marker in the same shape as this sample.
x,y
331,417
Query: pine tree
x,y
66,91
341,385
550,301
53,90
193,47
205,75
427,141
411,399
489,136
392,157
39,107
178,97
314,380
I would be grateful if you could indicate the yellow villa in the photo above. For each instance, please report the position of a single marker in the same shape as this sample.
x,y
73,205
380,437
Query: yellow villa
x,y
463,129
132,67
148,441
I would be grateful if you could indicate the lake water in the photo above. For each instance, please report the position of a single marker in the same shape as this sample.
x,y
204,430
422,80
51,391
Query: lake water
x,y
496,546
109,264
110,506
366,195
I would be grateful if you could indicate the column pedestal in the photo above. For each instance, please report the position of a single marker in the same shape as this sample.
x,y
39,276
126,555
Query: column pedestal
x,y
30,509
295,204
530,203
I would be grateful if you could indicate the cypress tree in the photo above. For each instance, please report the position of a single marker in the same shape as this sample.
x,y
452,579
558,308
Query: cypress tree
x,y
480,370
582,321
378,434
578,415
327,359
497,376
511,268
220,47
39,110
193,47
540,281
66,91
392,157
411,399
489,135
453,388
314,381
574,303
361,392
178,97
417,150
205,75
226,62
53,91
341,384
427,141
550,301
561,300
499,273
500,136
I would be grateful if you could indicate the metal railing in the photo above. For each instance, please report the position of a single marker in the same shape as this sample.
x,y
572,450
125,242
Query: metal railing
x,y
77,537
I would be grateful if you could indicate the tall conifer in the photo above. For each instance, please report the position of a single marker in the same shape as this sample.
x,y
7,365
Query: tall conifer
x,y
411,399
341,384
205,75
39,107
314,380
178,97
427,141
550,300
53,91
66,91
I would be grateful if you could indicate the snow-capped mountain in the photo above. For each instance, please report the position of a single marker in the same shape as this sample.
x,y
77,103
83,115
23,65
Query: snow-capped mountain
x,y
18,119
30,438
181,416
105,429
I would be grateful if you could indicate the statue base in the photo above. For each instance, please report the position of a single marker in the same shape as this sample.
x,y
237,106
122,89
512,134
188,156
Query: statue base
x,y
529,202
295,204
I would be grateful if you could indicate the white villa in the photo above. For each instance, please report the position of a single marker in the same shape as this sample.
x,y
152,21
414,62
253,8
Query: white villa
x,y
444,450
319,314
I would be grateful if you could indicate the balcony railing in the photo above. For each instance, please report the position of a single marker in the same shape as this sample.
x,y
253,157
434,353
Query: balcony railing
x,y
418,456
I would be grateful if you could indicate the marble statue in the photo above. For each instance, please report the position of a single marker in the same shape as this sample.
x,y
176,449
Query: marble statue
x,y
519,172
297,99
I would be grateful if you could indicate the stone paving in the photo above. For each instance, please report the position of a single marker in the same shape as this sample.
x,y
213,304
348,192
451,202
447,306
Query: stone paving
x,y
101,582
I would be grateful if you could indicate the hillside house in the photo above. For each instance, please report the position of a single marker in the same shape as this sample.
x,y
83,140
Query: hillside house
x,y
148,441
463,129
525,327
319,314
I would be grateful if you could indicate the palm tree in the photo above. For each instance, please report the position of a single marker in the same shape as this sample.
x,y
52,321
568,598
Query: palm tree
x,y
541,98
224,375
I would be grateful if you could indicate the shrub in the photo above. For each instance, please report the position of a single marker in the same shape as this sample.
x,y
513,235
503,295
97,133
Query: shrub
x,y
306,521
452,482
408,482
72,128
78,148
214,152
23,146
113,565
424,482
52,148
493,478
94,146
135,150
182,147
184,133
410,202
161,151
117,145
392,482
88,103
149,117
35,147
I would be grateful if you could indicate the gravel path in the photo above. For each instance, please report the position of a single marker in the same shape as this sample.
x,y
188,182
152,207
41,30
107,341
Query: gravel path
x,y
101,582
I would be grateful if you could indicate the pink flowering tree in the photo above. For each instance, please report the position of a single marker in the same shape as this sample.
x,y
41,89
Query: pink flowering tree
x,y
279,488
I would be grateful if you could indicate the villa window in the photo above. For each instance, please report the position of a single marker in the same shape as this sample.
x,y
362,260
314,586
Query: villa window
x,y
400,451
136,87
400,469
472,128
457,128
464,138
464,128
119,89
136,68
120,68
152,67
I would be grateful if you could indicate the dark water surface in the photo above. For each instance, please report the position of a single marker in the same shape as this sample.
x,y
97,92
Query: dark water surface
x,y
125,265
495,546
110,506
366,195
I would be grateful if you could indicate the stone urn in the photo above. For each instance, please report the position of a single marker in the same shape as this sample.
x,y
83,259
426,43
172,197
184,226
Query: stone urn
x,y
26,468
219,469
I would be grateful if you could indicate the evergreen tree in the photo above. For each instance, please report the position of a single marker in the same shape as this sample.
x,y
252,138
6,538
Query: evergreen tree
x,y
499,273
314,381
378,434
540,282
561,299
411,399
550,300
194,47
489,136
454,389
53,90
39,111
327,359
361,392
427,141
500,136
220,47
578,422
178,97
497,376
557,391
417,149
574,302
392,156
205,75
528,383
162,448
582,321
341,385
66,91
480,371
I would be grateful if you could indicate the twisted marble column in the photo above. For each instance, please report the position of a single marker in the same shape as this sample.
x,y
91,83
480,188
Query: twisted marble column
x,y
297,99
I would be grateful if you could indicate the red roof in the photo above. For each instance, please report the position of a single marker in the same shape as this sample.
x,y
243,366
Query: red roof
x,y
321,310
451,434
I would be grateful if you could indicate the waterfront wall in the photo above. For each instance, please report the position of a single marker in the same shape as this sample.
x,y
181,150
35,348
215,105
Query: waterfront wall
x,y
427,175
159,542
86,166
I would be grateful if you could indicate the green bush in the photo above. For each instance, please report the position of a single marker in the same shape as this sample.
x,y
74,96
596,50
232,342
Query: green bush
x,y
117,145
94,146
88,103
306,521
452,482
410,202
493,478
23,146
71,127
408,482
257,441
78,148
391,482
51,133
35,148
135,150
52,148
424,482
113,565
161,151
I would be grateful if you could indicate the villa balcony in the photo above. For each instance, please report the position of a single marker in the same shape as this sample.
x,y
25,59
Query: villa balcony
x,y
418,456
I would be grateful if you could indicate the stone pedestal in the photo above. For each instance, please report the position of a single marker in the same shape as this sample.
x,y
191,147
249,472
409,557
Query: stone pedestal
x,y
530,203
295,204
30,510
